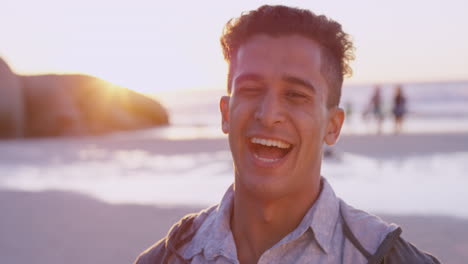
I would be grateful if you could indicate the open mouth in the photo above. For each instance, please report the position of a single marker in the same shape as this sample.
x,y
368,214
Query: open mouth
x,y
269,150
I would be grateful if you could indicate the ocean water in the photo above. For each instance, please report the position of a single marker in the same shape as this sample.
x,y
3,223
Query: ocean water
x,y
432,107
427,184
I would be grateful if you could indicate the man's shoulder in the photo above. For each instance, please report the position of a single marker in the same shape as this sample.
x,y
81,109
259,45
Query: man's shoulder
x,y
378,240
370,230
180,234
402,251
154,254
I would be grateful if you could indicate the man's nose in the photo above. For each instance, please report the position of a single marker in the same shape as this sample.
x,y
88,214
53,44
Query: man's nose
x,y
270,110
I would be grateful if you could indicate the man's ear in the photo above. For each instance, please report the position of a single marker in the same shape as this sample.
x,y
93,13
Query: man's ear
x,y
335,122
224,108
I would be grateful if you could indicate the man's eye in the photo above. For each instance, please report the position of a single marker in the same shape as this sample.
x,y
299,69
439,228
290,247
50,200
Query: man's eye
x,y
250,90
293,94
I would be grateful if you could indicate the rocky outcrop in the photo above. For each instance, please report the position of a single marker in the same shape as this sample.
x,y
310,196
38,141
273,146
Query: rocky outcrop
x,y
65,105
12,119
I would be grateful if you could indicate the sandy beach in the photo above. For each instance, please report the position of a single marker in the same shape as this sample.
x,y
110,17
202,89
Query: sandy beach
x,y
59,227
403,145
380,146
66,227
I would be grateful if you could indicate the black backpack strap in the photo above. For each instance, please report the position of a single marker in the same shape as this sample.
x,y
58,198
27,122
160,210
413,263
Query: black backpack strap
x,y
183,232
352,238
179,236
386,246
165,249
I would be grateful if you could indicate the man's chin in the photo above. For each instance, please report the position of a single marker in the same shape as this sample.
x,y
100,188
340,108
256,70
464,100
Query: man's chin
x,y
262,187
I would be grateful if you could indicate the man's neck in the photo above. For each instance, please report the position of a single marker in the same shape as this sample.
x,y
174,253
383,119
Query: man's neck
x,y
259,224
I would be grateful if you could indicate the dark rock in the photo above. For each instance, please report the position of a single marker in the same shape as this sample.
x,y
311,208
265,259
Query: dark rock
x,y
12,117
70,105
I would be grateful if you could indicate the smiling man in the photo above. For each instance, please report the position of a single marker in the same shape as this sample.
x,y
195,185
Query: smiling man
x,y
286,69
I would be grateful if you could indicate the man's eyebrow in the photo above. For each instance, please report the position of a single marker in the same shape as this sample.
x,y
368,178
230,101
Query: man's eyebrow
x,y
299,81
247,77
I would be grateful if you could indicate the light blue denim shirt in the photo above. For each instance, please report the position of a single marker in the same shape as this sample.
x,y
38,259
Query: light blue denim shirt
x,y
317,239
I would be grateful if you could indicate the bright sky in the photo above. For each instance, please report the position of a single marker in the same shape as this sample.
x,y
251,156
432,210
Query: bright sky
x,y
150,45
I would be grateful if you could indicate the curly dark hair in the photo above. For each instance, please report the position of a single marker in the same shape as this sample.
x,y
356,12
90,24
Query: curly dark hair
x,y
337,48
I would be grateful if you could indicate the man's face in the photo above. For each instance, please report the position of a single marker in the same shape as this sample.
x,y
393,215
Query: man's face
x,y
277,116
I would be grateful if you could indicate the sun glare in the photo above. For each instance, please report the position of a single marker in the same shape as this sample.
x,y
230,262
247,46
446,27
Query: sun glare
x,y
147,48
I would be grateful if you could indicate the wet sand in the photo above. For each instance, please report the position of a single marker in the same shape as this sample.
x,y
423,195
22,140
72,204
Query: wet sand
x,y
60,227
63,227
403,145
380,146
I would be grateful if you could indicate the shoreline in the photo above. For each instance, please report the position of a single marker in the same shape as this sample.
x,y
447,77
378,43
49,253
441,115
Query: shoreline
x,y
406,144
403,145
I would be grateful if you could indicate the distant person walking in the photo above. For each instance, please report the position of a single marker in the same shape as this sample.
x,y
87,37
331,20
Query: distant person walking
x,y
375,108
399,108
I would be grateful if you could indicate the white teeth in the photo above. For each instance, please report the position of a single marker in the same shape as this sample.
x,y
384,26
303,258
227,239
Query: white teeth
x,y
270,143
265,159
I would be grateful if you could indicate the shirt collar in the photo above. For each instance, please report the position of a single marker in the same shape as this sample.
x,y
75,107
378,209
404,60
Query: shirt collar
x,y
215,238
323,216
320,219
